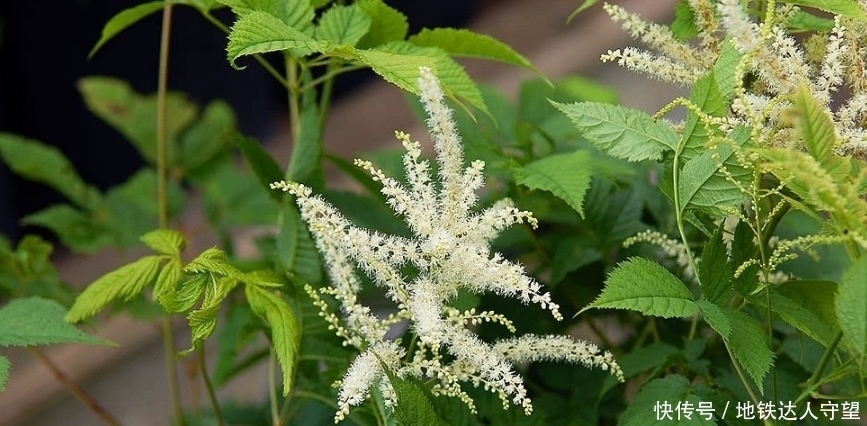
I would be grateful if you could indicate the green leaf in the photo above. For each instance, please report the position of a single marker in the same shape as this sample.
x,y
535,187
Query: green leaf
x,y
296,251
802,21
5,366
714,271
29,271
133,115
705,95
414,407
121,284
647,287
203,321
183,296
621,132
297,14
387,24
467,43
165,241
305,164
123,20
260,32
851,306
168,278
343,25
208,137
263,165
749,345
799,316
683,27
285,334
648,405
725,70
214,261
45,164
814,124
848,8
454,80
76,229
816,298
716,318
584,6
565,175
36,321
394,67
651,357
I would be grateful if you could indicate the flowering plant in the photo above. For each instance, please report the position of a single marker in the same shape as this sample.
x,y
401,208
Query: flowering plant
x,y
449,250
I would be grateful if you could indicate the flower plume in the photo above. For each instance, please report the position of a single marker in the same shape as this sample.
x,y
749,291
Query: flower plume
x,y
449,250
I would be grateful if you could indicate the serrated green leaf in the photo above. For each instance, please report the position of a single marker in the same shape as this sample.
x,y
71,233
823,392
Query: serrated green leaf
x,y
208,137
121,284
848,8
123,20
297,14
76,229
716,318
296,251
343,24
749,346
45,164
725,69
165,241
714,271
395,68
202,322
285,335
647,287
260,32
36,321
817,298
28,271
185,294
683,27
705,95
467,43
704,188
814,124
5,366
454,80
387,24
261,162
214,261
797,315
851,304
133,115
414,407
565,175
168,278
620,131
648,407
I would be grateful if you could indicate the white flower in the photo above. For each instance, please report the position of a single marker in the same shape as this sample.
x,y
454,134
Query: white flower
x,y
450,250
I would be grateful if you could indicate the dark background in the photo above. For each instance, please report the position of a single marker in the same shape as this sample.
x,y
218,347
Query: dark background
x,y
43,52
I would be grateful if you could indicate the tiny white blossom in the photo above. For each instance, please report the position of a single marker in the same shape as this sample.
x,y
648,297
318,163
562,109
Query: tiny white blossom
x,y
450,250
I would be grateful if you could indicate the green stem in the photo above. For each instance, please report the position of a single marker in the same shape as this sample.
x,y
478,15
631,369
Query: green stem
x,y
258,57
74,389
813,381
212,394
294,97
272,389
162,202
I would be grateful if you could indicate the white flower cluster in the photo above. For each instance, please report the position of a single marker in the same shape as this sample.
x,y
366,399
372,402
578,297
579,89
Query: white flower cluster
x,y
449,250
776,58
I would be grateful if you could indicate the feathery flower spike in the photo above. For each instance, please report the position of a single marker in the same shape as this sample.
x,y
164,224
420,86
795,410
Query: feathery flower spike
x,y
450,250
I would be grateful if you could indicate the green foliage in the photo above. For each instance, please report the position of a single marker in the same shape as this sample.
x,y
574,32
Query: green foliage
x,y
565,175
647,287
649,405
45,164
119,285
619,131
27,271
851,308
285,335
33,321
848,8
123,20
466,43
413,405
